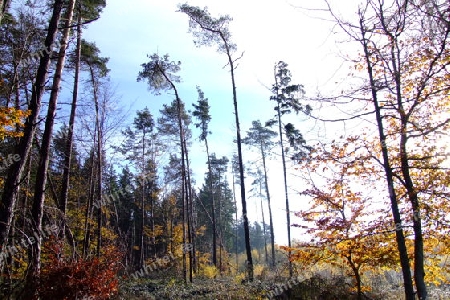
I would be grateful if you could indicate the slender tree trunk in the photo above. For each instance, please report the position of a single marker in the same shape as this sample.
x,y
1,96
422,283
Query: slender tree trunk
x,y
248,248
357,278
266,254
133,242
152,212
183,179
41,175
219,222
191,230
283,158
419,272
213,210
183,167
15,171
266,183
152,203
288,215
89,205
400,238
26,196
236,222
189,224
69,141
141,257
99,162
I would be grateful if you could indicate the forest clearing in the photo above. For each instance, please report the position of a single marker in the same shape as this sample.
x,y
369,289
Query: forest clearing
x,y
211,150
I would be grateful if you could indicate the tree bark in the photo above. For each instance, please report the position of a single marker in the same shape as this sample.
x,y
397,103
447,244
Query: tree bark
x,y
99,161
184,193
219,221
15,171
248,248
69,141
41,175
236,225
210,28
419,272
191,231
357,277
266,184
142,254
400,238
283,159
266,254
183,179
89,205
213,210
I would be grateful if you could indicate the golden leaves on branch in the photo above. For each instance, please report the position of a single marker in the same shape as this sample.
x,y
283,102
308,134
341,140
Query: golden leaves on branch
x,y
10,120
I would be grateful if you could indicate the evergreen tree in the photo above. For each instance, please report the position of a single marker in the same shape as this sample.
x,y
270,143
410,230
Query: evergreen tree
x,y
261,138
209,31
159,73
201,112
223,209
140,147
287,97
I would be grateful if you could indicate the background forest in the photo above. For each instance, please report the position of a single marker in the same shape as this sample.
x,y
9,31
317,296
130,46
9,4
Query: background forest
x,y
219,183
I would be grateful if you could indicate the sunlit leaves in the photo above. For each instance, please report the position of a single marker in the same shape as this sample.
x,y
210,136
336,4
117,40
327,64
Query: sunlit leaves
x,y
63,278
10,120
345,224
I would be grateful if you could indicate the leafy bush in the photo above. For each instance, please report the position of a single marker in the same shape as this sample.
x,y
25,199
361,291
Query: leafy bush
x,y
95,277
209,271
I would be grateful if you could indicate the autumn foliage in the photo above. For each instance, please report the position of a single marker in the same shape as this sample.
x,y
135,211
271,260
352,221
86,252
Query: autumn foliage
x,y
9,118
95,277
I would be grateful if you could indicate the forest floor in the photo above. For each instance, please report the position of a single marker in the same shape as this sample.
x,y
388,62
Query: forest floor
x,y
227,288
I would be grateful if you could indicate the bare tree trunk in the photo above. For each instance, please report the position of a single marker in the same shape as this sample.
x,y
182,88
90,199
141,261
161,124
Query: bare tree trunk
x,y
133,241
248,247
236,222
357,278
219,222
152,212
286,193
184,193
69,141
183,179
283,159
213,209
15,171
266,184
89,207
419,272
142,254
191,230
400,238
41,176
99,162
266,254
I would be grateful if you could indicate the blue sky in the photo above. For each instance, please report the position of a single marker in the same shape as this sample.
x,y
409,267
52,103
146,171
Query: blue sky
x,y
266,31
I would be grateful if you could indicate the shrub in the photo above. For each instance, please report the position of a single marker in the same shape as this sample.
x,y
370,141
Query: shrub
x,y
209,271
94,278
